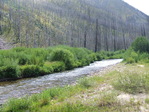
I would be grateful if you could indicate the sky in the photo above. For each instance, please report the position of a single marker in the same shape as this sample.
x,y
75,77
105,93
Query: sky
x,y
142,5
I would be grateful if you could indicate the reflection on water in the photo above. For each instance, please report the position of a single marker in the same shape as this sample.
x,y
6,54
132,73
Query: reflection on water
x,y
35,85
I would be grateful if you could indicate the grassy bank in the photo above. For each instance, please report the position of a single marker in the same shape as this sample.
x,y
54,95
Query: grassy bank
x,y
104,92
32,62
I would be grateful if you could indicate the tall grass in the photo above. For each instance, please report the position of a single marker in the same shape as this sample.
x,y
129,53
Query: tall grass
x,y
50,97
147,100
133,83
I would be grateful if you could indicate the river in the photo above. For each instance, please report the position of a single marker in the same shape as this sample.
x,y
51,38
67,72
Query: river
x,y
30,86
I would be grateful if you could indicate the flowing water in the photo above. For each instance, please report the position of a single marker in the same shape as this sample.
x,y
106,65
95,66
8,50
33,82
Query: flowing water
x,y
29,86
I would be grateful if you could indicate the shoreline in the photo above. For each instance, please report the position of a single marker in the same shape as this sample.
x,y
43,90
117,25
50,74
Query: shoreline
x,y
95,92
101,72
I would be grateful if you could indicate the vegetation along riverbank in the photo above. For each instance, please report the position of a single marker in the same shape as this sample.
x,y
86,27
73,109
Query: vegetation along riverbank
x,y
22,62
122,87
114,89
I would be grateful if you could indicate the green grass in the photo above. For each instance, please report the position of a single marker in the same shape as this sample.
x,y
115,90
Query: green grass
x,y
108,102
86,95
90,82
132,82
48,97
147,100
66,107
16,104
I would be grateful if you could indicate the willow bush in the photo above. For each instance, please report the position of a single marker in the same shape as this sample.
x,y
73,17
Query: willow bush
x,y
32,62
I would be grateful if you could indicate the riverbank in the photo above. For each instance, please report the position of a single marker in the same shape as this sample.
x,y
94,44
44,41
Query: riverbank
x,y
94,93
22,62
28,86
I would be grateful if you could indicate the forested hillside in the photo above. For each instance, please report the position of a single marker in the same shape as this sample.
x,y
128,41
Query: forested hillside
x,y
93,24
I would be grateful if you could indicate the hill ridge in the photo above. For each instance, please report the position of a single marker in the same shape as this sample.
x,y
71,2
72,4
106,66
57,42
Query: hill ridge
x,y
93,24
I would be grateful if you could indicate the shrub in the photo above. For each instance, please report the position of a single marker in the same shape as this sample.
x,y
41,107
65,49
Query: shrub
x,y
80,53
108,100
34,60
141,44
58,66
19,49
131,56
99,56
130,60
31,71
8,62
104,54
23,59
9,72
92,57
48,68
134,55
144,57
85,83
65,56
83,62
54,66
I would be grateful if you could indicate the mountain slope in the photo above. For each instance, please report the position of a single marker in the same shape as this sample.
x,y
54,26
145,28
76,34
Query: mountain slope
x,y
94,24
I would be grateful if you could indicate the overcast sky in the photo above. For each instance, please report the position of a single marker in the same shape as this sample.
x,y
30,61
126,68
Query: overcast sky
x,y
142,5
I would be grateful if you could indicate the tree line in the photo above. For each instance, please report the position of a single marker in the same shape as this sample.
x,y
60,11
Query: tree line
x,y
77,23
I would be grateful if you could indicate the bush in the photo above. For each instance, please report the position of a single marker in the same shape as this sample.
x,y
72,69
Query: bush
x,y
108,100
92,57
58,66
33,61
130,60
19,49
8,62
31,71
135,56
65,56
85,83
84,62
131,56
99,56
23,59
48,68
9,72
141,44
144,57
54,66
